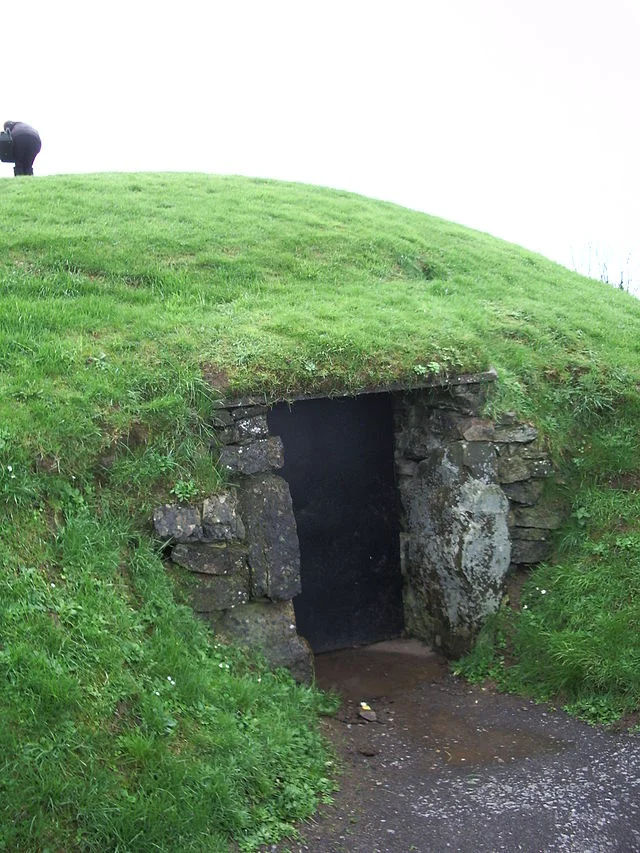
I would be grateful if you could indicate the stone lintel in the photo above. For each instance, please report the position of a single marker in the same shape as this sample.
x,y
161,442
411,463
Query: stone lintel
x,y
436,380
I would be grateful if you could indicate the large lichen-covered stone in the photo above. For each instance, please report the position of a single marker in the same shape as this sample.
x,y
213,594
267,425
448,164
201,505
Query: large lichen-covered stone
x,y
272,538
458,545
270,627
220,519
180,523
260,456
210,559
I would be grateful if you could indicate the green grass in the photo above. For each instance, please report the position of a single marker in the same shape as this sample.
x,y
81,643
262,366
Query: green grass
x,y
128,304
574,637
125,725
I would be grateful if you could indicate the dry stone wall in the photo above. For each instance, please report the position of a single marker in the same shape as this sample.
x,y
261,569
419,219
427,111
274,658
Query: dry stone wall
x,y
473,511
237,553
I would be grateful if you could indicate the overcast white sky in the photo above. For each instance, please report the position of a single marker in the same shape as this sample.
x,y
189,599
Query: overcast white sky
x,y
515,117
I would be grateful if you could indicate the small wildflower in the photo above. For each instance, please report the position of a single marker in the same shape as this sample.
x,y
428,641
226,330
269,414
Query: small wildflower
x,y
543,592
156,692
52,585
525,606
9,468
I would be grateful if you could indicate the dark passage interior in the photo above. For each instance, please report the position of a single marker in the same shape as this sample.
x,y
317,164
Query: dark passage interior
x,y
340,470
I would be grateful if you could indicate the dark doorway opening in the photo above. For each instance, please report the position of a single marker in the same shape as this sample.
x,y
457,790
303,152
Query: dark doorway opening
x,y
340,469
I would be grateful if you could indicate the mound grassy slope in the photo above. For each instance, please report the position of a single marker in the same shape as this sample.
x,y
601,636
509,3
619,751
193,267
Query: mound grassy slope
x,y
127,304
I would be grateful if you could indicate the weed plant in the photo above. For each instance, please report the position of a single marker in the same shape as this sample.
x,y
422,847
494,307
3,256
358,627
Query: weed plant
x,y
128,305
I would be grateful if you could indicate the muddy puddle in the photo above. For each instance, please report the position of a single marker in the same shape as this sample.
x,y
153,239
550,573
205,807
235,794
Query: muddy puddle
x,y
379,670
421,713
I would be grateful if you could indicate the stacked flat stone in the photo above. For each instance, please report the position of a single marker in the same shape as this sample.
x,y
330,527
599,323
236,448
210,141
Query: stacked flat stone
x,y
240,547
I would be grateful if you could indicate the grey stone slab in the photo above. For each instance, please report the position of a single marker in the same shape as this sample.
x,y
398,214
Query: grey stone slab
x,y
272,537
222,418
251,429
542,515
219,592
531,533
241,413
180,523
479,458
260,456
526,492
517,462
530,552
477,429
210,559
269,627
503,433
220,519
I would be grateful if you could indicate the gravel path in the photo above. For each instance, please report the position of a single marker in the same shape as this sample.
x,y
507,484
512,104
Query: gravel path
x,y
449,768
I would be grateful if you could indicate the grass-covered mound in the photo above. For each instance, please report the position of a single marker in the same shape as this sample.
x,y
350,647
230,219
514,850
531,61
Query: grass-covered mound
x,y
127,303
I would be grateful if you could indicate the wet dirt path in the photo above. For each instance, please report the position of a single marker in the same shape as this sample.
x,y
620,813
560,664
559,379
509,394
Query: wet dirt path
x,y
449,768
